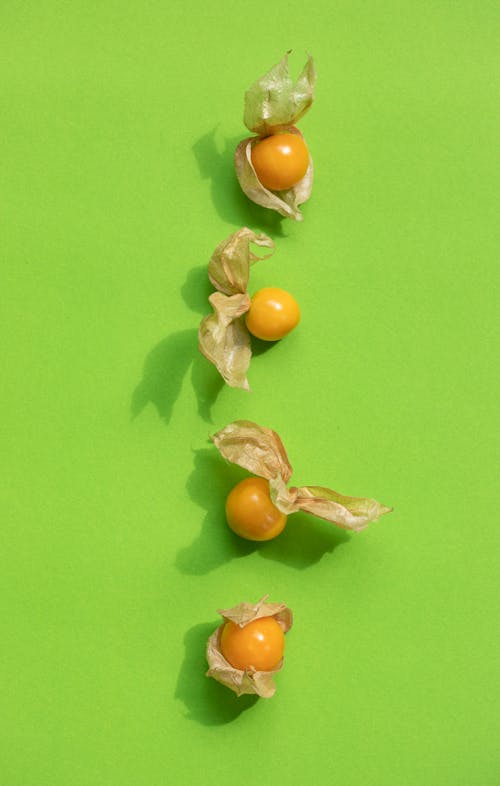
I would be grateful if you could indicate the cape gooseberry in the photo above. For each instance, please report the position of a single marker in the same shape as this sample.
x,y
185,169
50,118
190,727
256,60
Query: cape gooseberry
x,y
251,513
273,314
280,161
258,646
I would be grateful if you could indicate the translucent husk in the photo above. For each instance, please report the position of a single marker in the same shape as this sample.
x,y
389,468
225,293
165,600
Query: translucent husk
x,y
257,449
261,452
222,336
229,266
274,103
247,681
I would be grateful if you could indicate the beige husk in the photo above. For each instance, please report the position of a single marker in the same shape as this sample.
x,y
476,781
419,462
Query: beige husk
x,y
229,265
255,448
222,336
261,452
274,103
247,681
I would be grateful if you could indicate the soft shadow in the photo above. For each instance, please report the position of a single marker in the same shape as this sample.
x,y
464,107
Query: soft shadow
x,y
260,347
164,370
207,384
208,486
215,157
304,541
207,702
196,290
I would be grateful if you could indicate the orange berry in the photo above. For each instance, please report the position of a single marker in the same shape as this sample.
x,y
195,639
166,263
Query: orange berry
x,y
280,161
273,313
250,512
258,645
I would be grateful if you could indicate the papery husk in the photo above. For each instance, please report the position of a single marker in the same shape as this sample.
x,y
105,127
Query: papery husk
x,y
224,340
223,337
229,266
352,513
274,102
287,202
281,496
255,448
261,452
247,681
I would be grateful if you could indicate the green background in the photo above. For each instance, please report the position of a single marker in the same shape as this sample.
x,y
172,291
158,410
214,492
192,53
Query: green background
x,y
118,126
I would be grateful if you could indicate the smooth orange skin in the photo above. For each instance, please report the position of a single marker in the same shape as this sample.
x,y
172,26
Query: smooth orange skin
x,y
273,313
280,161
250,512
258,645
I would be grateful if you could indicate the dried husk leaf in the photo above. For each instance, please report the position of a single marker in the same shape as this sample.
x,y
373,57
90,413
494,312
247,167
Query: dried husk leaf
x,y
353,513
255,448
261,452
286,203
275,102
247,681
244,613
229,266
224,339
282,497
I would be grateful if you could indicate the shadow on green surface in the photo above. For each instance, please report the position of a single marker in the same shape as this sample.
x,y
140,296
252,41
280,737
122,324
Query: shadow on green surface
x,y
260,347
207,702
196,290
303,543
208,486
217,165
164,370
207,384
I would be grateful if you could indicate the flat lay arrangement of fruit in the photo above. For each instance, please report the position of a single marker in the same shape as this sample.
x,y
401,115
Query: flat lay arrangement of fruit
x,y
275,170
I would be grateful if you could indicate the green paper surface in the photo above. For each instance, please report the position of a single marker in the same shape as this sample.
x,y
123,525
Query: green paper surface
x,y
119,123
